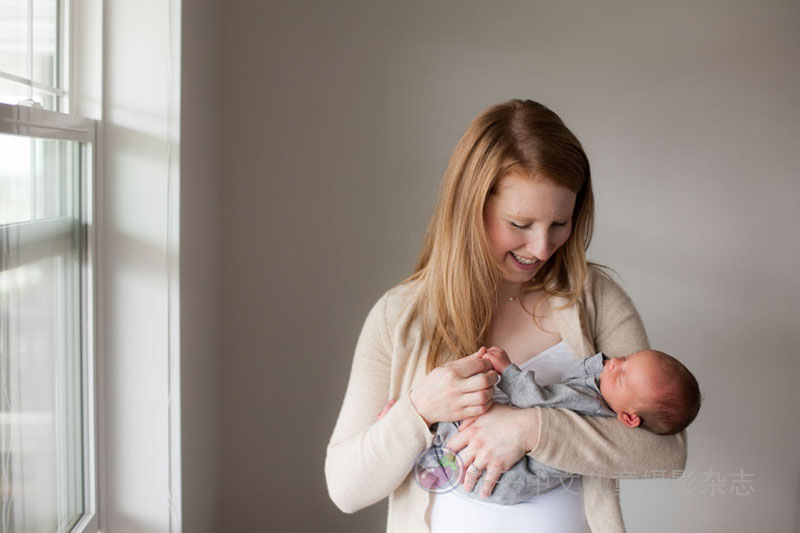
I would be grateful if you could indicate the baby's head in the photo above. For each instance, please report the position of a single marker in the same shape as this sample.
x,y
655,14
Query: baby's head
x,y
650,389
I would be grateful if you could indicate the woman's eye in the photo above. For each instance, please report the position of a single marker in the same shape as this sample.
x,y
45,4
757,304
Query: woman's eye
x,y
520,226
560,224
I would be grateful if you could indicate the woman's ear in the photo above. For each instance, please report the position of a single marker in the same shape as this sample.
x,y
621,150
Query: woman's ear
x,y
629,418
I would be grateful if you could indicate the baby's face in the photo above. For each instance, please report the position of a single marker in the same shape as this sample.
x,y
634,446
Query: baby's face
x,y
627,382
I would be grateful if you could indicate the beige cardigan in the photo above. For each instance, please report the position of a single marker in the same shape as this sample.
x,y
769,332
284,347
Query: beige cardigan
x,y
368,459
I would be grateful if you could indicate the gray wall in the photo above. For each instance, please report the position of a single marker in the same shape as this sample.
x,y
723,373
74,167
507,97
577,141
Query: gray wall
x,y
336,124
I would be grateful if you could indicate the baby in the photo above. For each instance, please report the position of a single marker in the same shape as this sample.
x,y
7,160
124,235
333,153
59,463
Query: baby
x,y
647,389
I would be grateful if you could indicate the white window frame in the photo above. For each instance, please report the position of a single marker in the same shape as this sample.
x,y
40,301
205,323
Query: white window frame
x,y
33,122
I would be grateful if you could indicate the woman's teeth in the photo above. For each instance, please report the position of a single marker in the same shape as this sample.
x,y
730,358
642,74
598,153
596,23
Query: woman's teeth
x,y
523,260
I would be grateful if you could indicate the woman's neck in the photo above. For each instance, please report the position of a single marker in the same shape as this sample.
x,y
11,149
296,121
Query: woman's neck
x,y
508,291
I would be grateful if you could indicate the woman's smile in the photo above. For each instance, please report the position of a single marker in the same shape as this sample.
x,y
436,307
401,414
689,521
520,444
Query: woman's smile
x,y
523,262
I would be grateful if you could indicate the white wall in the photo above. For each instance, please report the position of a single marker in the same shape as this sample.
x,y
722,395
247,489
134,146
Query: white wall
x,y
160,295
338,121
138,249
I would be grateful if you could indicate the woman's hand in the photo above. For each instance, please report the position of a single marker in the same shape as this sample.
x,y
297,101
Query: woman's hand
x,y
456,390
494,442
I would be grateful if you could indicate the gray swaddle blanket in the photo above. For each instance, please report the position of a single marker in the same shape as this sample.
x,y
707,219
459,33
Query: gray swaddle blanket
x,y
578,391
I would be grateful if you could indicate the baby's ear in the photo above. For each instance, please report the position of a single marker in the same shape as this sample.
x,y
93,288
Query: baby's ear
x,y
629,418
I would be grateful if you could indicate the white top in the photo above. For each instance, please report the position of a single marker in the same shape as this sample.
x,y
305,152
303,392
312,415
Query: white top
x,y
560,509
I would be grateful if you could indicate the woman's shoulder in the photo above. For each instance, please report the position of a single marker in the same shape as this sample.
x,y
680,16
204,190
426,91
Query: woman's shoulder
x,y
403,291
400,295
392,318
601,294
599,285
613,318
398,299
603,299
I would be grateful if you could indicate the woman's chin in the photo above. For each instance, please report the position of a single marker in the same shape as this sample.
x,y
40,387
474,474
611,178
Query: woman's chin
x,y
518,277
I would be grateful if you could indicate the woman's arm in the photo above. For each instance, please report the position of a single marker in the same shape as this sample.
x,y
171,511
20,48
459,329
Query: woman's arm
x,y
367,459
603,446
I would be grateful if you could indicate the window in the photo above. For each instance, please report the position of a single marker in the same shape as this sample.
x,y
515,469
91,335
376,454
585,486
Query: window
x,y
32,62
47,450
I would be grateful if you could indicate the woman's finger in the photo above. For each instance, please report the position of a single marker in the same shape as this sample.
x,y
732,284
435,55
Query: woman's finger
x,y
488,482
477,355
475,399
471,475
484,381
467,422
467,367
457,442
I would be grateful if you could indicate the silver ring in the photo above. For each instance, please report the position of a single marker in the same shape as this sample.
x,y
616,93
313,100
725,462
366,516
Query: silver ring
x,y
474,469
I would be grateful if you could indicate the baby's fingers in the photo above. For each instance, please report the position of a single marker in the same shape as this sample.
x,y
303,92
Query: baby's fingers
x,y
499,360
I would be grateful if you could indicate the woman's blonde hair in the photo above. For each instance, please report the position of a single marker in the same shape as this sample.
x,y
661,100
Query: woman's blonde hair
x,y
459,279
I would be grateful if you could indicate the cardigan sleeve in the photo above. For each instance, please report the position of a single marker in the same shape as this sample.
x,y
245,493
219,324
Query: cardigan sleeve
x,y
367,458
605,447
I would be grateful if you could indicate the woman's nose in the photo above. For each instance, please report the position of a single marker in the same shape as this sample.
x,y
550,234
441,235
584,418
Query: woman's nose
x,y
539,246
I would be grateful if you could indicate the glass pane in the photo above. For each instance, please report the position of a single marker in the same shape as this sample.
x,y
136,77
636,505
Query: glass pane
x,y
32,178
13,93
52,161
48,100
16,185
14,55
30,49
45,39
41,445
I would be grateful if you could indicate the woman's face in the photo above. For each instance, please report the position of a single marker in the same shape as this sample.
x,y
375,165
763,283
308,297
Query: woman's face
x,y
527,220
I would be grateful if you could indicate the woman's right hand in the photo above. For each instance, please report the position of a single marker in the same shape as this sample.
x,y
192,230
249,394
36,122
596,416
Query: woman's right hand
x,y
456,390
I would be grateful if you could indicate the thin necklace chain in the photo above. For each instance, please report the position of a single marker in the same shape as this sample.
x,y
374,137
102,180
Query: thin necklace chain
x,y
512,298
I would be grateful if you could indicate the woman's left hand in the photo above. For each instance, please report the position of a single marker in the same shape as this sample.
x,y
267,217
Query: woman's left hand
x,y
493,442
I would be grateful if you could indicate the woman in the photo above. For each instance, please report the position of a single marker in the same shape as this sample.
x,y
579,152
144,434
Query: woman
x,y
503,264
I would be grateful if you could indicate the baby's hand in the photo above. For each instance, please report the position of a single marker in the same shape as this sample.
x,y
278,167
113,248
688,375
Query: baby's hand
x,y
498,358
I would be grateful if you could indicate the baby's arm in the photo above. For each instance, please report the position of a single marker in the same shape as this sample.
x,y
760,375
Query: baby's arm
x,y
521,387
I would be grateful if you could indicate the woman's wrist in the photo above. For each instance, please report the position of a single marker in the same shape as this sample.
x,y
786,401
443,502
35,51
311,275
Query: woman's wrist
x,y
416,408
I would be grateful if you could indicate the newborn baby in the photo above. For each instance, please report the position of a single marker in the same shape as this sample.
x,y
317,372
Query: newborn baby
x,y
647,389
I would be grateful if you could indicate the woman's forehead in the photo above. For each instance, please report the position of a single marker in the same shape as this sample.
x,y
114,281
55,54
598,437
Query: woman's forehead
x,y
522,195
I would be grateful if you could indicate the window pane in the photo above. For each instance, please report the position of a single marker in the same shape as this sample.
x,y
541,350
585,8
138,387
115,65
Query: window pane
x,y
16,185
32,178
14,56
30,52
41,446
46,99
45,39
13,93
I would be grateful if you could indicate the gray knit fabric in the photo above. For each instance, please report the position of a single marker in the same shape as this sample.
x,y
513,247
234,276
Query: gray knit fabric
x,y
578,391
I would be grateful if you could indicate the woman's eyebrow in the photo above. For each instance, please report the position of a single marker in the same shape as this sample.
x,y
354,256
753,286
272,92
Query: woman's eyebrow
x,y
523,218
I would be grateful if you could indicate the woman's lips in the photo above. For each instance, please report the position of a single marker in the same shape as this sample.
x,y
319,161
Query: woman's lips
x,y
523,266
